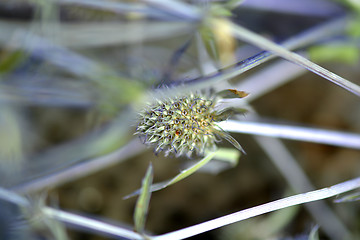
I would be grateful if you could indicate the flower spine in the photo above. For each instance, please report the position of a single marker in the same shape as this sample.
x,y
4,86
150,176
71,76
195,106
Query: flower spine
x,y
182,126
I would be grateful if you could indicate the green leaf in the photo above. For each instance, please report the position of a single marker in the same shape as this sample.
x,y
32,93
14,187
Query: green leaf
x,y
336,53
142,204
353,27
231,4
208,38
228,155
9,61
183,174
218,10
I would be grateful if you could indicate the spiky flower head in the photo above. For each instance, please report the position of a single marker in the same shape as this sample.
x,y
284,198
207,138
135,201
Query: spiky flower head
x,y
184,125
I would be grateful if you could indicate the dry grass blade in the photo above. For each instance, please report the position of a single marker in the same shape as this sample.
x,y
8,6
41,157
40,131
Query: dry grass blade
x,y
253,38
262,209
335,138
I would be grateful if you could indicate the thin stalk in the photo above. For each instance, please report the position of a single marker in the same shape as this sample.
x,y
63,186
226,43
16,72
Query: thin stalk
x,y
89,223
72,219
261,209
246,35
299,182
323,136
81,169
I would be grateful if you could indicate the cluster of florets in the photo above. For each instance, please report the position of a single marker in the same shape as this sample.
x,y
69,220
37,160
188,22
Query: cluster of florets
x,y
181,125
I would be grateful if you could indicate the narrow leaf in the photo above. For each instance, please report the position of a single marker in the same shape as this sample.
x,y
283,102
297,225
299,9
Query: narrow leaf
x,y
226,113
230,139
229,155
142,204
183,174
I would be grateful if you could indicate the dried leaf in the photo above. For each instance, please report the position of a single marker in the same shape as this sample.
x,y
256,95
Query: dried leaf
x,y
232,93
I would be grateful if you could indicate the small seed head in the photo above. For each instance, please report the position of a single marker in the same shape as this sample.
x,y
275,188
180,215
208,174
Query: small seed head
x,y
181,125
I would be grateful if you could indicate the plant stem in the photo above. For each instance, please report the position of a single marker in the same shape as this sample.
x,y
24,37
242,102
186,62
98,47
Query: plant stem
x,y
261,209
246,35
316,135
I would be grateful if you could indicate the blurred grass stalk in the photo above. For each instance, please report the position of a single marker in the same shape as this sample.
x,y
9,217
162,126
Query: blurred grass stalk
x,y
244,34
81,169
12,145
316,135
299,182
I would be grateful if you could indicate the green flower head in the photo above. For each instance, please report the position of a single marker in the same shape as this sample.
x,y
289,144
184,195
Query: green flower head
x,y
184,125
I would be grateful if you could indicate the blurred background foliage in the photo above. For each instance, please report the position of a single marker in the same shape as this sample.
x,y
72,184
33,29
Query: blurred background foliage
x,y
74,74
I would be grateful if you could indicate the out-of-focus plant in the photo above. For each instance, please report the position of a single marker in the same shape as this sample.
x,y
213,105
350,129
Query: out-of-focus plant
x,y
345,49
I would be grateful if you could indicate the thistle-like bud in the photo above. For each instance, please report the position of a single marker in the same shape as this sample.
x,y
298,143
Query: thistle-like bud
x,y
183,125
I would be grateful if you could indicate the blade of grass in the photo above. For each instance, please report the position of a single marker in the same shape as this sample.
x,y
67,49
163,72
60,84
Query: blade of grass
x,y
91,224
183,174
142,204
229,155
225,158
299,182
261,209
246,35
